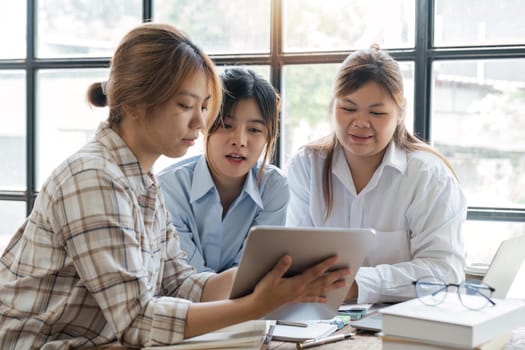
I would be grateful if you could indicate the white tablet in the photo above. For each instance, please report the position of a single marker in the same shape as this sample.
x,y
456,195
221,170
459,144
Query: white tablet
x,y
307,246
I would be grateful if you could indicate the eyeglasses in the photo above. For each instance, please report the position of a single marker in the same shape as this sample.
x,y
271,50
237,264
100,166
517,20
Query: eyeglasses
x,y
473,295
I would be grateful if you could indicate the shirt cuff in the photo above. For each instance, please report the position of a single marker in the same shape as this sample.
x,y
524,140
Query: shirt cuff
x,y
368,285
169,320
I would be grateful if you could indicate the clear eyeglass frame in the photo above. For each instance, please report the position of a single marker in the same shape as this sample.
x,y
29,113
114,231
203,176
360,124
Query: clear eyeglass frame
x,y
472,294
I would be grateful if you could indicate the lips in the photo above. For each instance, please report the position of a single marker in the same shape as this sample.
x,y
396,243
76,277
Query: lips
x,y
235,156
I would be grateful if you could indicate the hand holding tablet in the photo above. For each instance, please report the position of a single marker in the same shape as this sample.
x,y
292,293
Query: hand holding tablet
x,y
266,245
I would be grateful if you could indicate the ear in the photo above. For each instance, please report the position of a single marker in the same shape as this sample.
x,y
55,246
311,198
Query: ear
x,y
133,112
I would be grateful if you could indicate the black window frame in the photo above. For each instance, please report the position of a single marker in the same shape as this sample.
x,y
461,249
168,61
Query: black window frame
x,y
422,55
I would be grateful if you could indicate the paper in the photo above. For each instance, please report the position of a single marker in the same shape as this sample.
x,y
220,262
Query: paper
x,y
245,335
313,330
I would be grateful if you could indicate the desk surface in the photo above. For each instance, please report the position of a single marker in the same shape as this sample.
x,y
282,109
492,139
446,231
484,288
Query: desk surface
x,y
358,342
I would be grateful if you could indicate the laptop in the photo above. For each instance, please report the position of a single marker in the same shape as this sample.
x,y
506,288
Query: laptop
x,y
307,246
507,269
506,274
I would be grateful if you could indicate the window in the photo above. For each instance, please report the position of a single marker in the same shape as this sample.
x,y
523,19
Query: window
x,y
463,64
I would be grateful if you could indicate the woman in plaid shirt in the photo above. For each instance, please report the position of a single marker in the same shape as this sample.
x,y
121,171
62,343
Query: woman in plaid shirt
x,y
98,260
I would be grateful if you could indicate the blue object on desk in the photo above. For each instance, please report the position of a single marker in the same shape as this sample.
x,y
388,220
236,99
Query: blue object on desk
x,y
338,322
355,314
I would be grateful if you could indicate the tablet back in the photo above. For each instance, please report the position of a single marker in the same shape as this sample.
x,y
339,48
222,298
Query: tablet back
x,y
307,246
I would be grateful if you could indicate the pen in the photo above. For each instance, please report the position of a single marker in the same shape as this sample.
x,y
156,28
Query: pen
x,y
269,335
316,342
291,323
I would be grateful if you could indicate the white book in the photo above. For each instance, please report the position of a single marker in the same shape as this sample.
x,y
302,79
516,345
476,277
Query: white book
x,y
450,323
250,335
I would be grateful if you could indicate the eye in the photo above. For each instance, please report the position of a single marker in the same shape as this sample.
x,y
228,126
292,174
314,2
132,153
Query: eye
x,y
348,109
185,106
226,126
254,130
204,108
377,113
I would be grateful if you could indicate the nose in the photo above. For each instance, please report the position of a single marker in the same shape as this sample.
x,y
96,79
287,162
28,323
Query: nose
x,y
198,120
361,121
239,137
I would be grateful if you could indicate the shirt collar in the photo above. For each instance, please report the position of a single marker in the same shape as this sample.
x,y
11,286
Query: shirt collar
x,y
394,157
203,183
124,157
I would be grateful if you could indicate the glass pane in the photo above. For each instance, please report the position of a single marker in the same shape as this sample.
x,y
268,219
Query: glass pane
x,y
478,123
13,29
479,22
13,130
198,148
12,215
482,238
306,93
313,25
84,28
65,121
220,26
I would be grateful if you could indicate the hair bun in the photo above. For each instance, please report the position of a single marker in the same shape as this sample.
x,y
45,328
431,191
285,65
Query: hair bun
x,y
375,46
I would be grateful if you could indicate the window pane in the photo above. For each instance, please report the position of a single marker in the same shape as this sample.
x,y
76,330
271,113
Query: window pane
x,y
65,121
13,130
12,215
313,25
479,22
306,93
482,238
220,26
13,29
198,148
478,123
84,28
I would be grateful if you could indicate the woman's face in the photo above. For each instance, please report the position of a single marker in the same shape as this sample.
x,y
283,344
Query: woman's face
x,y
365,121
171,128
234,148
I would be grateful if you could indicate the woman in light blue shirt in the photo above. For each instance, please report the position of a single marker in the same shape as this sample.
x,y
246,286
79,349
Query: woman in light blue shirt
x,y
371,172
216,197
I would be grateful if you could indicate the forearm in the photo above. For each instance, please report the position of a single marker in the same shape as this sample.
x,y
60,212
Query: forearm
x,y
218,286
210,316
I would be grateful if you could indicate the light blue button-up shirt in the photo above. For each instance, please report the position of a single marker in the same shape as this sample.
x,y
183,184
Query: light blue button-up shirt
x,y
212,241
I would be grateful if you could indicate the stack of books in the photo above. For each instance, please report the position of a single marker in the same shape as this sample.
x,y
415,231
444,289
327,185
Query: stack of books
x,y
449,325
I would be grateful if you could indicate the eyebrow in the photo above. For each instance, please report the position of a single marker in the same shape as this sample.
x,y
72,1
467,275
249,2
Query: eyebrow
x,y
195,96
259,121
377,104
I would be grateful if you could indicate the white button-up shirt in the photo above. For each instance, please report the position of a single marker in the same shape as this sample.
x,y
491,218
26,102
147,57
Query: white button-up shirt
x,y
413,202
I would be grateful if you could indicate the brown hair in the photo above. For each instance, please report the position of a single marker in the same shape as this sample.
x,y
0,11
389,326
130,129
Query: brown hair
x,y
356,70
149,66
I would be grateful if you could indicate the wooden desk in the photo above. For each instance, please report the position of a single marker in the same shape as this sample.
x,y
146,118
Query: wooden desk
x,y
358,342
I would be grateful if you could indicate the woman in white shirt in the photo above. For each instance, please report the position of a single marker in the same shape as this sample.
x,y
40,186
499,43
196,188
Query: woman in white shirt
x,y
371,172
